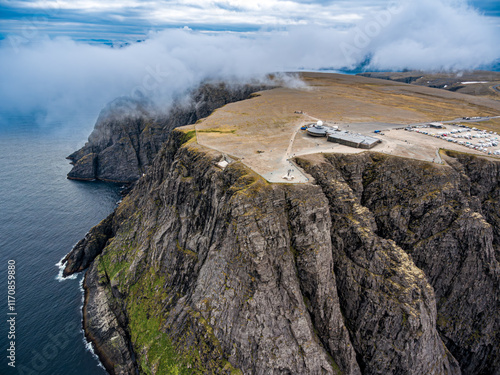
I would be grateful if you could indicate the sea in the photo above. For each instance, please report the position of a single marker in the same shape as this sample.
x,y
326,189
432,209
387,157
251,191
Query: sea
x,y
42,216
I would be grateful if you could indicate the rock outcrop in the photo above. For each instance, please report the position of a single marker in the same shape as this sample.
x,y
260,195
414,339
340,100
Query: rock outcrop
x,y
89,247
129,133
383,266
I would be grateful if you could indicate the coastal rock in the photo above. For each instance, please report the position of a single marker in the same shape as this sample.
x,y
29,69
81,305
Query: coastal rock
x,y
84,168
85,251
104,326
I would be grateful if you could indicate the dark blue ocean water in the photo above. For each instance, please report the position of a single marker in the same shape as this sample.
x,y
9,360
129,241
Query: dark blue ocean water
x,y
42,215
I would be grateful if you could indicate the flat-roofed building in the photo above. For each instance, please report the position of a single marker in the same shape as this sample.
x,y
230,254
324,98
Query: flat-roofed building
x,y
436,125
353,139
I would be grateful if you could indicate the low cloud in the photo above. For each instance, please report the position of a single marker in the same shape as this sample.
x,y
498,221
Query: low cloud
x,y
430,35
61,77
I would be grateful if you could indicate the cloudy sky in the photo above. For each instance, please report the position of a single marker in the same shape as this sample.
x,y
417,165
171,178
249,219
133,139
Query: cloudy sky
x,y
56,53
115,19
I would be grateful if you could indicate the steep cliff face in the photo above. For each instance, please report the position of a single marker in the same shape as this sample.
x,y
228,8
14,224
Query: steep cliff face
x,y
446,218
386,300
210,273
383,266
129,133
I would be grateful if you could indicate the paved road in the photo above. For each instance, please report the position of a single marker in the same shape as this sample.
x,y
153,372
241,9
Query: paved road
x,y
438,159
287,165
471,120
496,88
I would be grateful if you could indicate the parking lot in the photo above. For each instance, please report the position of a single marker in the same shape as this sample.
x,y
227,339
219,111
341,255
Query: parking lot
x,y
471,138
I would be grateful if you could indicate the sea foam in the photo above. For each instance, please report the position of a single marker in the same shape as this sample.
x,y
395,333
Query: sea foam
x,y
60,276
88,345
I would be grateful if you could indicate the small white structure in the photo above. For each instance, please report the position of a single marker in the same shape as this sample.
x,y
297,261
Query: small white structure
x,y
288,176
223,164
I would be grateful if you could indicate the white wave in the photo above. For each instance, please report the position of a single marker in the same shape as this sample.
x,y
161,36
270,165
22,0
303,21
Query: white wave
x,y
90,348
80,286
60,276
88,345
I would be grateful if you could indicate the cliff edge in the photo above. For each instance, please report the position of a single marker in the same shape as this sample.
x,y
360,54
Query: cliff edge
x,y
384,265
129,133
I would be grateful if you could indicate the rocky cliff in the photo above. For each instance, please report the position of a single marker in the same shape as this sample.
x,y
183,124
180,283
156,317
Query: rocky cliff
x,y
383,265
129,133
446,219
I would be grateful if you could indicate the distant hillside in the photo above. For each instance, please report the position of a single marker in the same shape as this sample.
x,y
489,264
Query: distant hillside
x,y
482,83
